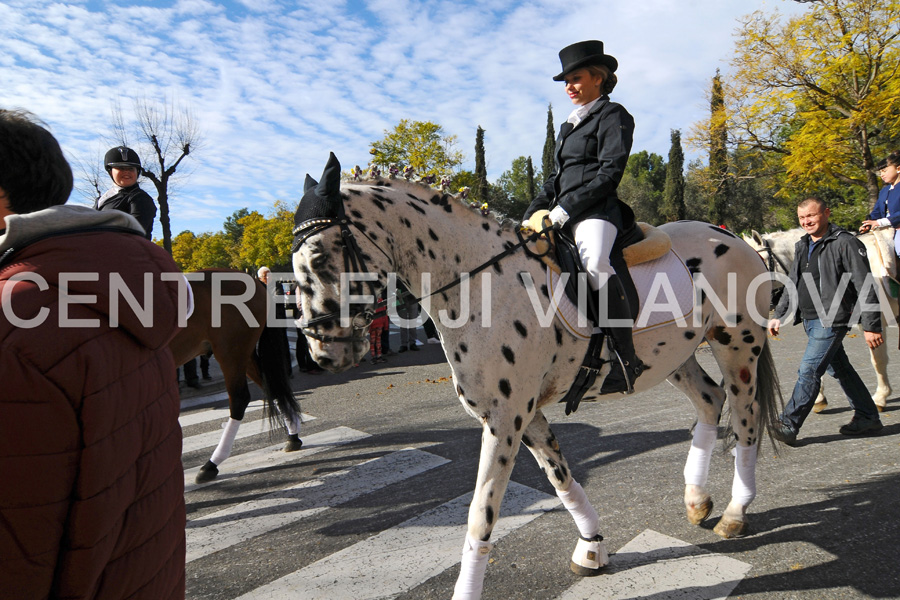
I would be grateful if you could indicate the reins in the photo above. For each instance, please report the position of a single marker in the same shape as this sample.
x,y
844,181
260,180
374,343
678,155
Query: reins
x,y
773,258
353,259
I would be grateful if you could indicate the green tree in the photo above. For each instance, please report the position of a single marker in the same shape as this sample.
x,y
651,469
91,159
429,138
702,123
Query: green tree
x,y
518,185
213,251
718,154
480,189
422,145
183,246
267,240
673,208
642,186
820,91
548,158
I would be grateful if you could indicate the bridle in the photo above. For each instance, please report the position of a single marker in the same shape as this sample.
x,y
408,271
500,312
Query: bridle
x,y
355,263
772,258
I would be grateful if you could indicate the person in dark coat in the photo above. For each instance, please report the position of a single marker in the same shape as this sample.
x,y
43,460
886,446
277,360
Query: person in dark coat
x,y
591,154
831,272
124,167
92,492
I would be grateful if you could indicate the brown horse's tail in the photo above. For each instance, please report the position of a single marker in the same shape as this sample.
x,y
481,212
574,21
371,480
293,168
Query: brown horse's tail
x,y
274,368
768,394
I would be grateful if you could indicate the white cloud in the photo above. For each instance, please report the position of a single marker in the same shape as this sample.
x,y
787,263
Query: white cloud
x,y
276,84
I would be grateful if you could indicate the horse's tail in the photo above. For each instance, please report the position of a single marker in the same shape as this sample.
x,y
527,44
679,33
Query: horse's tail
x,y
768,393
274,369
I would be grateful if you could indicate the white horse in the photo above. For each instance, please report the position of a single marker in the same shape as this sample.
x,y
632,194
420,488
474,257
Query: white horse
x,y
511,355
777,250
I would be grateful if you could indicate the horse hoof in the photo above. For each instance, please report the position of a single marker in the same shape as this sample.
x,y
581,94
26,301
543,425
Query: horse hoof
x,y
207,472
820,406
731,529
698,513
590,557
293,444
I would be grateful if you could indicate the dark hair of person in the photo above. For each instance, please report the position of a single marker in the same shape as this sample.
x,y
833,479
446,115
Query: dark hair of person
x,y
894,158
609,78
812,200
34,174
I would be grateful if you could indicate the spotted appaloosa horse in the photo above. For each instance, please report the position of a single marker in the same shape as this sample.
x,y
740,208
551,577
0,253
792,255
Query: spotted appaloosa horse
x,y
777,249
229,318
505,373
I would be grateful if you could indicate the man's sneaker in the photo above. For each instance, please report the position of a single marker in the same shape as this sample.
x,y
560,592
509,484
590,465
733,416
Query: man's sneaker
x,y
859,426
784,433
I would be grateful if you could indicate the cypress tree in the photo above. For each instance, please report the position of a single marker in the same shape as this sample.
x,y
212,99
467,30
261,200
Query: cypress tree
x,y
548,157
718,154
673,208
480,189
529,171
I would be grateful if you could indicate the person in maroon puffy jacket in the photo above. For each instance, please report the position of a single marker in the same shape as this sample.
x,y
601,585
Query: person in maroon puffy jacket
x,y
92,492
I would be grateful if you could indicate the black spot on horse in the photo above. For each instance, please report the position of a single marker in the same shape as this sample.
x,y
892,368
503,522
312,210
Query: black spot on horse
x,y
509,440
734,389
457,259
485,226
677,377
356,213
420,245
431,255
405,221
706,398
721,336
464,348
418,209
693,265
456,357
497,268
749,339
690,335
559,335
508,354
379,204
661,344
721,249
503,460
432,234
505,387
756,350
489,516
518,422
709,381
527,441
531,405
520,329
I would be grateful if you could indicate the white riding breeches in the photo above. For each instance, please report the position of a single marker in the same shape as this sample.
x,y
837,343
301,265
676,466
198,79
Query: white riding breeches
x,y
594,239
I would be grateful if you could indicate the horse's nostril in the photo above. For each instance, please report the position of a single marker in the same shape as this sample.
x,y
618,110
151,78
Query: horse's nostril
x,y
324,362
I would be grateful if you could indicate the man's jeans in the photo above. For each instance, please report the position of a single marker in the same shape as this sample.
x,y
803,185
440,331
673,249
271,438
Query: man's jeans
x,y
825,352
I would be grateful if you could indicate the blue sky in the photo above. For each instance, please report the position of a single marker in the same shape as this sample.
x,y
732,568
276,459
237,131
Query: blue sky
x,y
274,85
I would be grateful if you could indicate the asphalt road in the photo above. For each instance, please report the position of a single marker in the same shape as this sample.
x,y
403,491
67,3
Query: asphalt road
x,y
825,523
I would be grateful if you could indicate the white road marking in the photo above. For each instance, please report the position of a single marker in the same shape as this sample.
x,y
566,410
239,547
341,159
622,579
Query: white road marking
x,y
247,520
202,416
211,438
404,556
658,566
274,455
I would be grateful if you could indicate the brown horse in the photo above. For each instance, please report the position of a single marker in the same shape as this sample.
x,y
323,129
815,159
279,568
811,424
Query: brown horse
x,y
229,318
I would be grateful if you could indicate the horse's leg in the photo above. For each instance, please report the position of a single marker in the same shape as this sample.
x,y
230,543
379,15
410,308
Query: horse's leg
x,y
292,422
821,401
238,400
708,399
500,440
879,358
590,554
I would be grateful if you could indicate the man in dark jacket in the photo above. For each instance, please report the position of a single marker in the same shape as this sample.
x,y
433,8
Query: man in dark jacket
x,y
92,492
824,260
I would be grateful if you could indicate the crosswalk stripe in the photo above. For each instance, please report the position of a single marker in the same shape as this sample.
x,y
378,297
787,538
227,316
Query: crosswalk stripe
x,y
662,567
404,556
247,520
202,416
207,399
273,455
211,438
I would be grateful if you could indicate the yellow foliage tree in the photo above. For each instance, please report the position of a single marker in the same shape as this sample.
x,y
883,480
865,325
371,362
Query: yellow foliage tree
x,y
821,91
267,240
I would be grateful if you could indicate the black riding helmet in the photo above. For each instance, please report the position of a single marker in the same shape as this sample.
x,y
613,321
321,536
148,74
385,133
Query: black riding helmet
x,y
121,156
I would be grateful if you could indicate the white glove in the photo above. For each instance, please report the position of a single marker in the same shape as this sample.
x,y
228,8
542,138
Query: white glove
x,y
558,216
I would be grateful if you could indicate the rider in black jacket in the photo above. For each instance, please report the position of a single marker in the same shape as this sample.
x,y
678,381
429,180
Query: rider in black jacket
x,y
124,167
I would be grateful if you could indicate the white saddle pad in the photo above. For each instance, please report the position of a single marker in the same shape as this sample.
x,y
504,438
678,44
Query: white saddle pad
x,y
664,286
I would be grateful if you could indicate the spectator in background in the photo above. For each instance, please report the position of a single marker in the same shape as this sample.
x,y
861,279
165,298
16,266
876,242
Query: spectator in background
x,y
92,493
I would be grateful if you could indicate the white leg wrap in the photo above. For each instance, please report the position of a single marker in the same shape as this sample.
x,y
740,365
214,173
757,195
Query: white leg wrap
x,y
223,450
591,554
293,426
696,469
471,573
578,505
743,489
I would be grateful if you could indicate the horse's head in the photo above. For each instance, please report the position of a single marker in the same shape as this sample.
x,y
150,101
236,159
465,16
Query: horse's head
x,y
326,255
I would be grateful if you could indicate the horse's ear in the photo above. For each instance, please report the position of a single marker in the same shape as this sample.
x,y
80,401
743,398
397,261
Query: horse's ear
x,y
754,235
330,184
309,183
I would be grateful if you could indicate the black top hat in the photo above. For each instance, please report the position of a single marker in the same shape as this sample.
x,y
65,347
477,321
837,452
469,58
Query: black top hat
x,y
584,54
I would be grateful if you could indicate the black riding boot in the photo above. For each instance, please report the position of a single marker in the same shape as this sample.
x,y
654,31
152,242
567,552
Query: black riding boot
x,y
620,342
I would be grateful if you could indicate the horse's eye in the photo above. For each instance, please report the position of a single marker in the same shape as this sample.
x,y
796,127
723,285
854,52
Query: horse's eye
x,y
361,320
